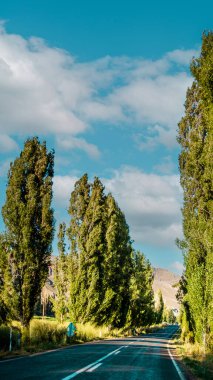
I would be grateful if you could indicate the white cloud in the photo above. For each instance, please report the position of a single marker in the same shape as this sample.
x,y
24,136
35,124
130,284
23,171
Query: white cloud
x,y
69,143
151,203
155,135
4,167
38,88
154,100
7,144
182,57
62,188
166,166
45,90
105,111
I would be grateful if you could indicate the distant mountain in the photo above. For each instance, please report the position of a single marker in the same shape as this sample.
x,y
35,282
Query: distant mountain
x,y
164,280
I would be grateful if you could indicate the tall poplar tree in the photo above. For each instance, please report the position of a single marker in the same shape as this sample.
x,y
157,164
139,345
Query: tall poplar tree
x,y
93,232
118,266
79,201
141,310
29,221
60,276
3,261
159,307
102,262
196,164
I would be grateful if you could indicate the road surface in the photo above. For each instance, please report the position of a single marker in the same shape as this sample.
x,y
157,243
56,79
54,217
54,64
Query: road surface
x,y
145,357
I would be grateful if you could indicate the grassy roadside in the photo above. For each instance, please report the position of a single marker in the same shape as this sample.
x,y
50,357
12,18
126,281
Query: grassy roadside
x,y
198,364
46,334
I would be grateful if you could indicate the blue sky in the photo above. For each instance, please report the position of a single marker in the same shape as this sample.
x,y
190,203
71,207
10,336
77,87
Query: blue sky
x,y
104,84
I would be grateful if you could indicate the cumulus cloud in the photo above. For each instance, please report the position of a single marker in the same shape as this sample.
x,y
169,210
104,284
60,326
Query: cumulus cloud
x,y
151,203
32,77
62,188
68,143
182,57
46,90
154,100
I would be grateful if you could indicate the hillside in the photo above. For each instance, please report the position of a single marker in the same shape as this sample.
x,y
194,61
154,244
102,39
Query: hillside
x,y
163,280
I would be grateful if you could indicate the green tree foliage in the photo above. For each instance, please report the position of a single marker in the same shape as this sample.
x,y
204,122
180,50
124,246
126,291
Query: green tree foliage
x,y
28,217
93,231
185,318
77,236
60,301
3,262
118,266
102,267
195,162
141,311
168,315
79,201
159,307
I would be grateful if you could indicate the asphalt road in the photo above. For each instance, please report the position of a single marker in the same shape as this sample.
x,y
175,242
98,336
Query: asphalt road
x,y
144,357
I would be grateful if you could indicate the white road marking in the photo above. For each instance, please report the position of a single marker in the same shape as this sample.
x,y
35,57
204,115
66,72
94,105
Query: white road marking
x,y
181,376
91,365
93,368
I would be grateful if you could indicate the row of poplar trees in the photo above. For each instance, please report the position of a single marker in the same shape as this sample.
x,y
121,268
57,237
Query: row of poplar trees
x,y
196,170
100,279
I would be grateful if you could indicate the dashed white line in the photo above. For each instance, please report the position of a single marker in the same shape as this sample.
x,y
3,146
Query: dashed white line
x,y
72,375
93,368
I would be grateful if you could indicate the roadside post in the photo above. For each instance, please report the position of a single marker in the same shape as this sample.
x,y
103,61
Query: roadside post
x,y
11,336
19,339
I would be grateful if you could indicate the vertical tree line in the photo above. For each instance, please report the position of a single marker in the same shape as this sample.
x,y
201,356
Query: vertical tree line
x,y
105,274
196,167
100,279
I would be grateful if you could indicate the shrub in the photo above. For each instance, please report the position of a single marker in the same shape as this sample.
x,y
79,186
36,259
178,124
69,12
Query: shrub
x,y
5,338
47,332
87,332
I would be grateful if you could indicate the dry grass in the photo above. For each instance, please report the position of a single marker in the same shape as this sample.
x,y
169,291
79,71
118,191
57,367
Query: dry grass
x,y
48,333
198,360
41,335
87,332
